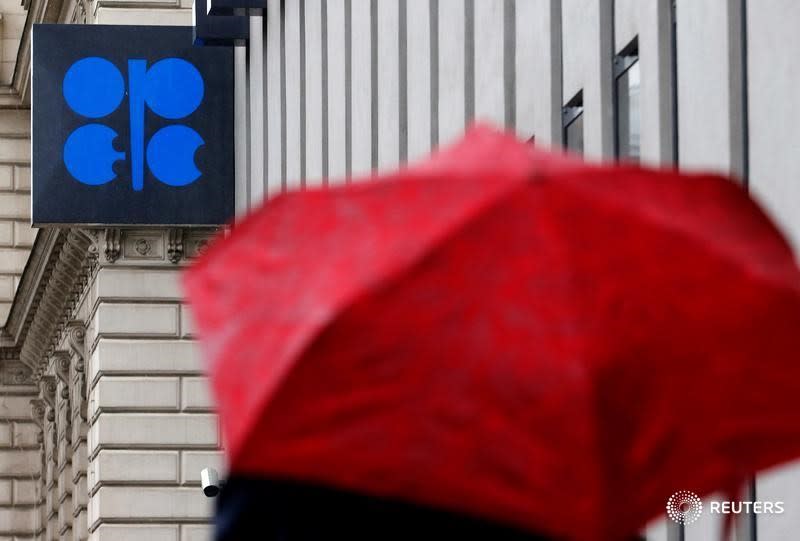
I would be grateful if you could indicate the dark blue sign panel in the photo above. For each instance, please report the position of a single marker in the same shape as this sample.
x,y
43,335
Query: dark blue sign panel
x,y
218,30
231,7
131,125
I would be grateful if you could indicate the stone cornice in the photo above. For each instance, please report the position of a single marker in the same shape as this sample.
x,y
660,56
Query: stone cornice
x,y
46,294
39,11
53,309
37,269
42,304
59,270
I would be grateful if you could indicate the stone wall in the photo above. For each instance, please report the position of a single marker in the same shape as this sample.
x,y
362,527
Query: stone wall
x,y
16,234
20,463
12,22
105,416
152,428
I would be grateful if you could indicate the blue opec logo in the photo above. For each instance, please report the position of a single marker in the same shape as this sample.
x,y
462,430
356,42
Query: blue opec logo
x,y
172,88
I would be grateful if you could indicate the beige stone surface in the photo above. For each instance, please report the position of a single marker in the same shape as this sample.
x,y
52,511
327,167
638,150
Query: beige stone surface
x,y
124,15
153,429
12,260
25,491
140,284
137,319
115,356
187,323
19,467
25,435
15,199
18,463
136,532
16,519
14,205
193,462
6,177
6,288
196,532
15,407
7,235
14,149
5,435
22,177
24,234
150,503
136,394
196,395
6,491
135,466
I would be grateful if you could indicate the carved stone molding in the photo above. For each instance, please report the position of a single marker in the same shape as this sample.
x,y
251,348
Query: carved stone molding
x,y
61,362
37,412
143,247
56,298
75,379
201,246
9,354
47,390
80,392
61,367
56,279
79,15
13,372
112,244
196,241
76,335
175,245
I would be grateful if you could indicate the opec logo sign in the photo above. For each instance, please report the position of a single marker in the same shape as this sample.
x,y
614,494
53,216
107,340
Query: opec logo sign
x,y
131,125
172,88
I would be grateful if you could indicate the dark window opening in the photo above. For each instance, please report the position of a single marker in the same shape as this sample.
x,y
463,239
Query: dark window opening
x,y
627,85
572,115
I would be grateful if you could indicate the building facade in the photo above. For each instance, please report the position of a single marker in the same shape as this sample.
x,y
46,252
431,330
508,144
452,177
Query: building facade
x,y
105,419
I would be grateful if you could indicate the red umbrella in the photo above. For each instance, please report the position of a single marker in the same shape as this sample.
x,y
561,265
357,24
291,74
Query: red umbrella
x,y
509,334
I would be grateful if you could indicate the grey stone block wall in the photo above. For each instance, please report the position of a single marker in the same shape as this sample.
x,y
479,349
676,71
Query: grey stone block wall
x,y
20,463
151,425
16,234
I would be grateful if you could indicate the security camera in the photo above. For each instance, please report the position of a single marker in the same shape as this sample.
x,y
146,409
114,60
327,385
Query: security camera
x,y
209,479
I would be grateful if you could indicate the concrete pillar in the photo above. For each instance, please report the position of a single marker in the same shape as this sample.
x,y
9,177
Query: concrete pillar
x,y
587,63
651,24
710,88
538,71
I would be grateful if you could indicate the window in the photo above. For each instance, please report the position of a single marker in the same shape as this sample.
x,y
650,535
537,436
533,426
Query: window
x,y
627,86
573,124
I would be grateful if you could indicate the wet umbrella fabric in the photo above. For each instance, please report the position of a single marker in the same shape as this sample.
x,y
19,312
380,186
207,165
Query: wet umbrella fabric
x,y
508,334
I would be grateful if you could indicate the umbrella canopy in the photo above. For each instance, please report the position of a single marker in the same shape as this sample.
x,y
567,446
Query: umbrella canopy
x,y
509,334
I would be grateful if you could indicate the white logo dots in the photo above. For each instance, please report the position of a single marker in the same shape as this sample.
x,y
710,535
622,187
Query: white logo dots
x,y
684,507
